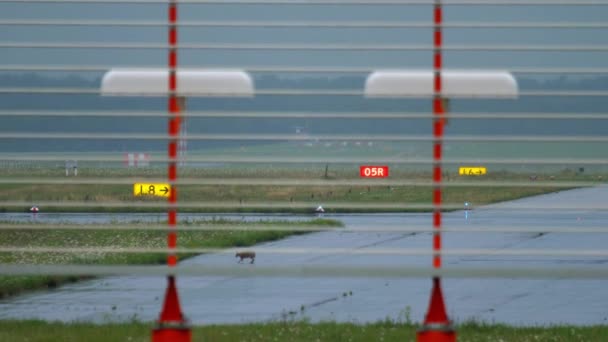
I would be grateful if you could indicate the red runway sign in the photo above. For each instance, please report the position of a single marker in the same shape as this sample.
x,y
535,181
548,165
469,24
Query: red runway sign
x,y
373,171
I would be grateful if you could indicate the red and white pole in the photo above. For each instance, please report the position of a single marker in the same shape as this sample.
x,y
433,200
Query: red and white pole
x,y
437,326
172,326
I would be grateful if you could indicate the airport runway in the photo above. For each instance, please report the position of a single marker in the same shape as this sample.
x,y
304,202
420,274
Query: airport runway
x,y
209,300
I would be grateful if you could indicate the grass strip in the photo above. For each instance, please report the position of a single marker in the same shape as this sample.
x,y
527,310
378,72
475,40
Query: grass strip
x,y
243,196
11,285
38,331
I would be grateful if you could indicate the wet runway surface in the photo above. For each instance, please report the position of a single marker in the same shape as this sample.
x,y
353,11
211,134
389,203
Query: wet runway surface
x,y
208,300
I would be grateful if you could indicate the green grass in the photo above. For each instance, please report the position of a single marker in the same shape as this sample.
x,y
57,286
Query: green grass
x,y
140,238
37,331
238,198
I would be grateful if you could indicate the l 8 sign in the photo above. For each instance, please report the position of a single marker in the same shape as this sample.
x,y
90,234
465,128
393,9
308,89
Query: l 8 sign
x,y
373,171
142,189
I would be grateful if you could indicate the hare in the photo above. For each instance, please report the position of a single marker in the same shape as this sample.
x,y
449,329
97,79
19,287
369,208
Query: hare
x,y
246,255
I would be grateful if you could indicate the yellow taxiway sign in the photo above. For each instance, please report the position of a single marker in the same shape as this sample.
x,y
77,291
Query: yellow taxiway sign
x,y
472,171
146,189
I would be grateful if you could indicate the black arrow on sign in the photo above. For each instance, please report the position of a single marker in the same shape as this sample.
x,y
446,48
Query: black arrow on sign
x,y
165,190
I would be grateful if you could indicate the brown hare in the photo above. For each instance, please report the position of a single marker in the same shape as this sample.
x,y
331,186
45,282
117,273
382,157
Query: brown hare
x,y
245,255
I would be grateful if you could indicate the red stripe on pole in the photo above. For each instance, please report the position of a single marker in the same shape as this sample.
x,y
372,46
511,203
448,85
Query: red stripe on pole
x,y
173,195
172,260
172,13
438,128
173,82
172,58
173,149
436,242
173,35
437,174
437,196
174,126
437,82
173,105
172,174
438,15
437,219
172,217
438,62
438,38
437,105
437,261
172,240
437,152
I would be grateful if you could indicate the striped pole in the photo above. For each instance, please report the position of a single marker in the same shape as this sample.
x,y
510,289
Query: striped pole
x,y
172,326
174,132
437,326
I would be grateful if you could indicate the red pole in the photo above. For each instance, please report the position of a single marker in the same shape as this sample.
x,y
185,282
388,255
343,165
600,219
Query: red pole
x,y
437,326
172,326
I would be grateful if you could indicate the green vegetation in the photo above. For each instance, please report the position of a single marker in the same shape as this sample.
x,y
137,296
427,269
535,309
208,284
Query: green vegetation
x,y
37,331
140,238
286,198
302,198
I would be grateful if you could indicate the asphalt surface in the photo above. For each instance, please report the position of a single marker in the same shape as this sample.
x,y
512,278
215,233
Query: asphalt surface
x,y
209,300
